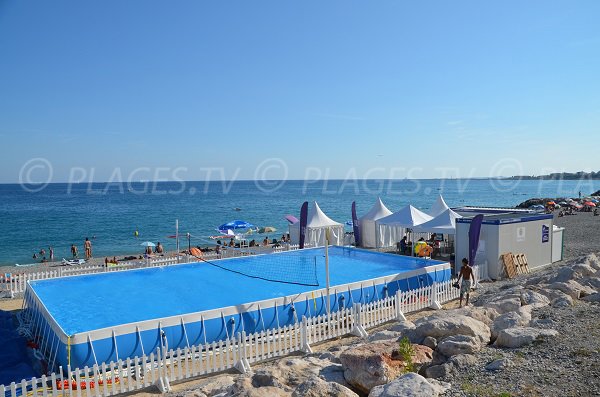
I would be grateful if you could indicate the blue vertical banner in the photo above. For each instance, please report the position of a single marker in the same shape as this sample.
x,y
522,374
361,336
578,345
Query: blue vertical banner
x,y
303,222
474,232
355,225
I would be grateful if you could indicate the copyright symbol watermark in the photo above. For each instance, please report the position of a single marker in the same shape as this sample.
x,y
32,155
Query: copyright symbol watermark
x,y
270,175
503,169
35,174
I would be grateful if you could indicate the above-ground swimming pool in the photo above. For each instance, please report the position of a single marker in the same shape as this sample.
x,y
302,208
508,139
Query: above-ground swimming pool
x,y
89,319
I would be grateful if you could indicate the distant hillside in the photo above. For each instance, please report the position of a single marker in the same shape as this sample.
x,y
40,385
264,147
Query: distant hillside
x,y
562,176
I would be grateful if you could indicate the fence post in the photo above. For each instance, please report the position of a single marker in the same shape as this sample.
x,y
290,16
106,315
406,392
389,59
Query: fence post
x,y
399,315
434,301
242,365
305,347
358,328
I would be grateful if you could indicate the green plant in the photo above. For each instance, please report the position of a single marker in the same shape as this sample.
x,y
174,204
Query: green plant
x,y
406,353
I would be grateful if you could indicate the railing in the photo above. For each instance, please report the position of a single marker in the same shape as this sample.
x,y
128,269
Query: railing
x,y
15,283
160,368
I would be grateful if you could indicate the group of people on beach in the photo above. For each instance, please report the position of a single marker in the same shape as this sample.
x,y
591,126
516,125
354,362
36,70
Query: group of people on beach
x,y
42,255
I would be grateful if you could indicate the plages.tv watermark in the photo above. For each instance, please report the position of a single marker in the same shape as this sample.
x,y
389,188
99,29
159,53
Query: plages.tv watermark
x,y
272,174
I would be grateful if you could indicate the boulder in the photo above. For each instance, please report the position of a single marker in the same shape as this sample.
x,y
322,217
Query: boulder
x,y
448,323
270,377
521,336
572,288
317,387
584,270
519,318
534,299
441,371
484,314
463,361
410,385
499,364
406,328
373,364
592,298
384,335
565,301
592,282
458,344
430,342
505,305
593,261
194,393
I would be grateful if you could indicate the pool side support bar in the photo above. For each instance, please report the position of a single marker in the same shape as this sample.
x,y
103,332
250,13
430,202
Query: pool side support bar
x,y
435,303
92,348
305,347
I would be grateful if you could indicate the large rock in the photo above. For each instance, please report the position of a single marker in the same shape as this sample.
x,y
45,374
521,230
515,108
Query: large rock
x,y
216,385
410,385
440,371
384,335
462,361
521,336
572,288
534,299
458,344
448,323
499,364
505,305
593,282
317,387
374,364
584,270
592,298
519,318
593,261
484,314
406,329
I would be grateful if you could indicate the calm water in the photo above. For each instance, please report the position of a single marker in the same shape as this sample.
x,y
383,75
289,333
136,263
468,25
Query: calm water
x,y
62,214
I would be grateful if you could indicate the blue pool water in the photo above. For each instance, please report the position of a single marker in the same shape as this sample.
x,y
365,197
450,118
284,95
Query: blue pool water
x,y
84,303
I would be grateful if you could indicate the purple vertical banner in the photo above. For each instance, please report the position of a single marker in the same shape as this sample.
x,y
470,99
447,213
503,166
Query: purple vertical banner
x,y
303,222
474,232
355,225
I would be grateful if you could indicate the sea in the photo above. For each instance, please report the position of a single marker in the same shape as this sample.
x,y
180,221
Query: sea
x,y
109,214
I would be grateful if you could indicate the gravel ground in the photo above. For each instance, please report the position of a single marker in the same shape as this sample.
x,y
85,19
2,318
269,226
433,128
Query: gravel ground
x,y
582,233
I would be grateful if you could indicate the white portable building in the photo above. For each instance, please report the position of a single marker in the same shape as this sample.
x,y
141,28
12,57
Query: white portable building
x,y
368,232
391,228
316,226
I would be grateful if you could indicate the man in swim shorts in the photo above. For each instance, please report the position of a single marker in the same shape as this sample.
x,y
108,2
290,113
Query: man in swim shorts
x,y
466,273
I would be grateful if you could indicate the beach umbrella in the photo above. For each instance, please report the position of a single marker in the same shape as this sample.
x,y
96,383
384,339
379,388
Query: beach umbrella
x,y
550,203
267,229
237,224
589,204
148,244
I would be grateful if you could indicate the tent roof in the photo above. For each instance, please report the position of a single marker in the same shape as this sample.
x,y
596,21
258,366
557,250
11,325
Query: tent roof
x,y
408,216
438,207
444,223
317,218
378,211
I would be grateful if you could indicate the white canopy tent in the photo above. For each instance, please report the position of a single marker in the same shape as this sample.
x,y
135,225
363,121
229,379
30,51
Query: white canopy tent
x,y
316,226
438,207
368,232
444,223
391,228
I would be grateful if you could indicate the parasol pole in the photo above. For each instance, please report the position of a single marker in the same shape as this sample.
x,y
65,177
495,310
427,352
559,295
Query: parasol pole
x,y
177,237
327,271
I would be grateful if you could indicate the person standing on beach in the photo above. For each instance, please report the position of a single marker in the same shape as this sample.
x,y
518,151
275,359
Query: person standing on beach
x,y
88,248
466,273
74,251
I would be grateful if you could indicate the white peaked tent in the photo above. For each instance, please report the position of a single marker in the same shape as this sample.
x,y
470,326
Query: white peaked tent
x,y
391,228
438,207
368,232
444,223
316,225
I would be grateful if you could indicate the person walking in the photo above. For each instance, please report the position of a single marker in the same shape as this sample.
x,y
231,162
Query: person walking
x,y
88,248
466,273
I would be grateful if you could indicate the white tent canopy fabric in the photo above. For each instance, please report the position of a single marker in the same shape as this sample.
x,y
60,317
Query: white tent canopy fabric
x,y
368,232
316,226
391,228
438,207
445,223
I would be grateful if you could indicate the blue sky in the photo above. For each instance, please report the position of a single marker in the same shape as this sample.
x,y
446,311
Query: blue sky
x,y
337,88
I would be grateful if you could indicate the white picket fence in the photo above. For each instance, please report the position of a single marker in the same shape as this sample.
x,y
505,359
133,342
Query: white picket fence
x,y
175,365
12,284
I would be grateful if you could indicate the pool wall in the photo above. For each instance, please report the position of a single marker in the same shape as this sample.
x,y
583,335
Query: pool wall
x,y
135,339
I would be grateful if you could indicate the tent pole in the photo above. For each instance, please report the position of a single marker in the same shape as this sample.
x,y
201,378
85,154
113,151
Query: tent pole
x,y
327,271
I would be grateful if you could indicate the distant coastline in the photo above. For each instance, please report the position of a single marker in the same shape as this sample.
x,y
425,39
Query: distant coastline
x,y
557,176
